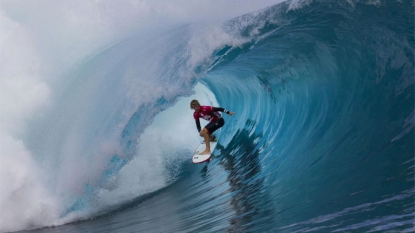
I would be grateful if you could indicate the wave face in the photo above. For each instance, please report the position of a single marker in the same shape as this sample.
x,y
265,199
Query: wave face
x,y
322,139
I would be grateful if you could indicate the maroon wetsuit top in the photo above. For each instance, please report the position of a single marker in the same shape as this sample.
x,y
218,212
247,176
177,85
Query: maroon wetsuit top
x,y
208,113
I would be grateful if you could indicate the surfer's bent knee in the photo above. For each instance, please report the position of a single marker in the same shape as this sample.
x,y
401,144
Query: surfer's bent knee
x,y
203,132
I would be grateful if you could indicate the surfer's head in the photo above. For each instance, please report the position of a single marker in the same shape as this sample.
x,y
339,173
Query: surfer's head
x,y
194,104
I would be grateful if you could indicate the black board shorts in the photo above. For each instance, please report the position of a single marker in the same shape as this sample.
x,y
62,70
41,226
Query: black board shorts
x,y
213,126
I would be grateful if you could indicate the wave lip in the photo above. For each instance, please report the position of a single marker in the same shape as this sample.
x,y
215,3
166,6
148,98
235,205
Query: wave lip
x,y
323,136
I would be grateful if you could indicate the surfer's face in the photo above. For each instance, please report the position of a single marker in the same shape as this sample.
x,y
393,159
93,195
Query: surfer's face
x,y
196,107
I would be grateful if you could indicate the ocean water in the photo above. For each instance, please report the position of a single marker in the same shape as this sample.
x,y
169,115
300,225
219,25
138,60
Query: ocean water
x,y
97,134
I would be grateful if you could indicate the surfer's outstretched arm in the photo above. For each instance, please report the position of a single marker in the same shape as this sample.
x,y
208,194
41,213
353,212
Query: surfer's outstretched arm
x,y
219,109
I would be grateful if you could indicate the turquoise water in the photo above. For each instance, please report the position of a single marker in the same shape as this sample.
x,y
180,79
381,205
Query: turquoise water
x,y
323,138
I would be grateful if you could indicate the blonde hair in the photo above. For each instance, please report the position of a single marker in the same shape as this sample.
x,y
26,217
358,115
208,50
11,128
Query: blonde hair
x,y
194,103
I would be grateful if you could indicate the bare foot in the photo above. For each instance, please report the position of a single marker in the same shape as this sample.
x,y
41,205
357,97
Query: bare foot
x,y
204,153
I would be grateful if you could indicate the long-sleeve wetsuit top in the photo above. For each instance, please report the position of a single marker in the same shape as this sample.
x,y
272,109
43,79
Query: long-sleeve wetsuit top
x,y
208,113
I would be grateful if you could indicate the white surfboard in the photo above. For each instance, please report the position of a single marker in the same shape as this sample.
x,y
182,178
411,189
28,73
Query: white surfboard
x,y
197,158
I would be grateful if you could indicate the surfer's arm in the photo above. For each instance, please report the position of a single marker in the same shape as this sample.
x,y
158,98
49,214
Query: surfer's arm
x,y
216,109
198,125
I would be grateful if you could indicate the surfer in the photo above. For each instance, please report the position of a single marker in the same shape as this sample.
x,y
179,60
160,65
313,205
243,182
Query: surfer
x,y
212,115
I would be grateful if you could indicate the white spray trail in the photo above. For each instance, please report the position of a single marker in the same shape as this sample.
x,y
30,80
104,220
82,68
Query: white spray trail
x,y
42,41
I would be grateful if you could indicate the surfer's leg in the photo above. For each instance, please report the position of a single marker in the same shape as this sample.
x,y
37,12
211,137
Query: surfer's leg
x,y
213,138
208,130
206,135
213,126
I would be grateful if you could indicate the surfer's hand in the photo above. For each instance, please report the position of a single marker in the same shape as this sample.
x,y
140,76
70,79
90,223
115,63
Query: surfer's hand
x,y
231,113
202,133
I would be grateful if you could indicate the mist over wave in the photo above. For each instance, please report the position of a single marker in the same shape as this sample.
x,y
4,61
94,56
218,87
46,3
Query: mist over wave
x,y
94,112
67,94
